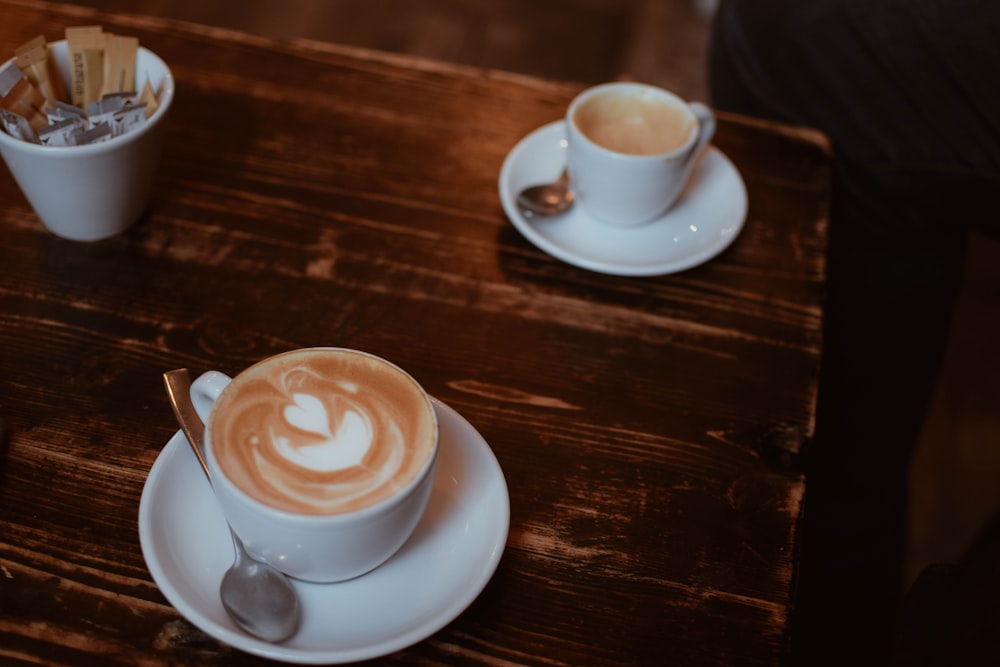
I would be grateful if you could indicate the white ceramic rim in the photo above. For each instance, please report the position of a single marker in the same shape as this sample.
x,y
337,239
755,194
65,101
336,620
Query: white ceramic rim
x,y
397,498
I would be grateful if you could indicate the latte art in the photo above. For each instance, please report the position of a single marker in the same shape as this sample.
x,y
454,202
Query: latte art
x,y
315,432
343,449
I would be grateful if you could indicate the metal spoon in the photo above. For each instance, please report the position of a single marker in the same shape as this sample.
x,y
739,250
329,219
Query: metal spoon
x,y
547,199
257,597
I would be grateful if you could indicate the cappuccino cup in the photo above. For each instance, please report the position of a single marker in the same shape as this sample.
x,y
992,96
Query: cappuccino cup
x,y
631,148
322,459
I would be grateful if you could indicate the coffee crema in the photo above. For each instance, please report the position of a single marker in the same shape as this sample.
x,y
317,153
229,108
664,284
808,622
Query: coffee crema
x,y
634,124
322,431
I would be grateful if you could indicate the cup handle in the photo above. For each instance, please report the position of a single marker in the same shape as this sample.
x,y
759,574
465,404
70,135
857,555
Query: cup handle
x,y
206,389
706,125
706,130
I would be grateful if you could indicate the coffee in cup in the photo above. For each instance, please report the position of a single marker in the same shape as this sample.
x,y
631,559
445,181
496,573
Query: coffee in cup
x,y
635,123
631,148
322,458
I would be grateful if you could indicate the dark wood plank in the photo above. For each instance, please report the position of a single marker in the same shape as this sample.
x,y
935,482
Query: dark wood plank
x,y
312,194
496,33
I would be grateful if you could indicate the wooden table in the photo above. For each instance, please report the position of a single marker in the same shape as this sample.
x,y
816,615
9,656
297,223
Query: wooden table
x,y
316,195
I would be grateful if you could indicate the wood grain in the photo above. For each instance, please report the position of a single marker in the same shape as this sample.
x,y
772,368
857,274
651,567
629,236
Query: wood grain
x,y
311,194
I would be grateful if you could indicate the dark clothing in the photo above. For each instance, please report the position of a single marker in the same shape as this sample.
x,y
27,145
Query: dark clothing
x,y
909,93
950,615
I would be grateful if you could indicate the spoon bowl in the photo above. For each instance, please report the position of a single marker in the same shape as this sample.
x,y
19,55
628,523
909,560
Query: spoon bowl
x,y
547,198
259,598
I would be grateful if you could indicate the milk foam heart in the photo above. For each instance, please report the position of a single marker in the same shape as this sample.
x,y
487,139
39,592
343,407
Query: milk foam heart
x,y
336,451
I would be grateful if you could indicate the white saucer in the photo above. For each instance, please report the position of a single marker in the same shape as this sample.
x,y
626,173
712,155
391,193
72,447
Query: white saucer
x,y
706,219
437,574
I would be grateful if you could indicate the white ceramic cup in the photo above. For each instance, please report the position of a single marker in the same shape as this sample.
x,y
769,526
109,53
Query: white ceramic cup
x,y
630,188
88,193
322,548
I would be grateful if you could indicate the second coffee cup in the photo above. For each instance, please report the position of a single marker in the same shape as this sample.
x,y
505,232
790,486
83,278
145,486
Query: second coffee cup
x,y
322,459
631,148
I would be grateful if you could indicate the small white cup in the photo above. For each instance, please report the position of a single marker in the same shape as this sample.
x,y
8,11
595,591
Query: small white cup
x,y
89,193
625,187
322,548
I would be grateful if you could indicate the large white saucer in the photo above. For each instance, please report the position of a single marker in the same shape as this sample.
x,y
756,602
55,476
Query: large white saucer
x,y
706,219
440,570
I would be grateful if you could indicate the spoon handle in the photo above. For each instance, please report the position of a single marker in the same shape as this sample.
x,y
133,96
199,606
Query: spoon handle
x,y
178,383
258,598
